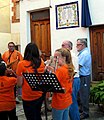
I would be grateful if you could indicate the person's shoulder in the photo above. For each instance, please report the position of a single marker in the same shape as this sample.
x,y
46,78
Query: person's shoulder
x,y
86,51
21,62
19,54
7,78
12,78
62,71
24,62
62,68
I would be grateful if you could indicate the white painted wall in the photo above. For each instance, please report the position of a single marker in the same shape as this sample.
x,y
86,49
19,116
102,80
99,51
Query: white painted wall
x,y
57,36
4,39
15,33
15,27
97,11
4,16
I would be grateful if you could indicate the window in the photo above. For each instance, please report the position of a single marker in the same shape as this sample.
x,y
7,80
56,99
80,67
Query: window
x,y
16,11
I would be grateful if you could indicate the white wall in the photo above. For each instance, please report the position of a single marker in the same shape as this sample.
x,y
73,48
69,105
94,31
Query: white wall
x,y
57,36
4,39
4,16
15,27
15,33
97,11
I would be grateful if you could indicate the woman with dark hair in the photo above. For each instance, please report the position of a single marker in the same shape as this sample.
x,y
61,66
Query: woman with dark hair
x,y
32,100
1,58
7,99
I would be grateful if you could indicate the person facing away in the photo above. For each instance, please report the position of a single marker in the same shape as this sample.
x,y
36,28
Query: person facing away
x,y
32,100
64,72
7,98
1,58
11,57
84,59
74,110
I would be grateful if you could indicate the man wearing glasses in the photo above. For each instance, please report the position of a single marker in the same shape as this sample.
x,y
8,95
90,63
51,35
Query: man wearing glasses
x,y
12,56
84,59
73,111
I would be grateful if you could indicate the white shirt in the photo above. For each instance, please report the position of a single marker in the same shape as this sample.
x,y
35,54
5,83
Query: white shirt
x,y
75,63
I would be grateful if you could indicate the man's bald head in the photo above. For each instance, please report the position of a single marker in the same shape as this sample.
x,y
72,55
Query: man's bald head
x,y
67,44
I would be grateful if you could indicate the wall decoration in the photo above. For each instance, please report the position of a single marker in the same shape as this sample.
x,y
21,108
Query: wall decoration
x,y
67,15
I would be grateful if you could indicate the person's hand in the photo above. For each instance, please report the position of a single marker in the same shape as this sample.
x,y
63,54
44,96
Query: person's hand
x,y
10,72
47,63
50,69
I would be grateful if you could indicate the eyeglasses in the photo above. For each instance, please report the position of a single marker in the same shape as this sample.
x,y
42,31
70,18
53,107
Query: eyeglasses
x,y
11,46
79,44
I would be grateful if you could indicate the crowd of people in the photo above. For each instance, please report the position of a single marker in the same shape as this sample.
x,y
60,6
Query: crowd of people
x,y
73,73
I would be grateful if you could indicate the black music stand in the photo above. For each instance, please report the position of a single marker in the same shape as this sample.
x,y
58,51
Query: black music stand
x,y
45,82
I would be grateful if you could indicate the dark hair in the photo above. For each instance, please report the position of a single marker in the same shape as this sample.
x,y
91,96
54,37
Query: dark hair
x,y
1,58
32,54
2,69
71,45
11,43
83,40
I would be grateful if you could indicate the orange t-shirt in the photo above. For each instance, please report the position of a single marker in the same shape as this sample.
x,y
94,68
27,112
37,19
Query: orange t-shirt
x,y
14,58
7,98
27,93
62,100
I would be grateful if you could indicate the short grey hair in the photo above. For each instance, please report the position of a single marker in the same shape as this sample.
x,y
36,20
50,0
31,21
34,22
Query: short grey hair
x,y
83,40
70,44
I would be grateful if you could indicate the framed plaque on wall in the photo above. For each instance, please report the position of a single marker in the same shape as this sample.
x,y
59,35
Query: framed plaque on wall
x,y
67,15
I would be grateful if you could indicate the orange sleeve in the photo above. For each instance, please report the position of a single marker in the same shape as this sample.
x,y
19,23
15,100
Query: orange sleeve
x,y
19,56
19,70
5,56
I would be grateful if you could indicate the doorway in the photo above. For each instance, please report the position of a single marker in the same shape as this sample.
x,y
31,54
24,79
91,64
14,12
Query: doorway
x,y
97,52
40,32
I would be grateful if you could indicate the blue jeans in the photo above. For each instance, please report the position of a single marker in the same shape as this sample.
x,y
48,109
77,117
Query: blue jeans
x,y
60,114
74,110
